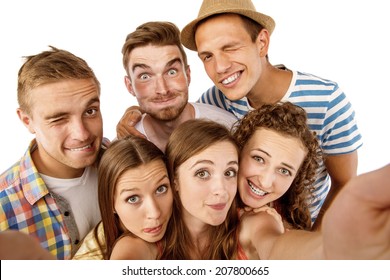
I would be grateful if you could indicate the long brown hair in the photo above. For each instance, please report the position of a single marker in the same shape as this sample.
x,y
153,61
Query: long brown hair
x,y
187,140
128,153
290,120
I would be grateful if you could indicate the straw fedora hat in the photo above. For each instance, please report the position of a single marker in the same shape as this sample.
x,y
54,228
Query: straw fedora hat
x,y
212,7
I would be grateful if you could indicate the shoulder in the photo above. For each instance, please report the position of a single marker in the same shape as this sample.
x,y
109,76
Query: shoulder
x,y
133,248
213,113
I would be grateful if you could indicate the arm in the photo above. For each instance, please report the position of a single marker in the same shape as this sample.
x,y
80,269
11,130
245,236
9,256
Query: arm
x,y
270,242
126,124
341,169
357,225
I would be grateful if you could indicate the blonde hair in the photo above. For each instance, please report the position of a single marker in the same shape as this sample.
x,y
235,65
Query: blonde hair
x,y
50,66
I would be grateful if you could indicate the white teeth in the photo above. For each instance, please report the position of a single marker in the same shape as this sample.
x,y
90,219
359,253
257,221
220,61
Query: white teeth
x,y
255,190
231,79
80,149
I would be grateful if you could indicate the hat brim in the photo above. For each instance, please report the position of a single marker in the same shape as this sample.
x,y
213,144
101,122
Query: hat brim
x,y
187,35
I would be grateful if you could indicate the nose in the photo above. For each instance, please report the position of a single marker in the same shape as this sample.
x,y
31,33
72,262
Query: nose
x,y
220,186
267,178
161,85
79,131
153,209
222,63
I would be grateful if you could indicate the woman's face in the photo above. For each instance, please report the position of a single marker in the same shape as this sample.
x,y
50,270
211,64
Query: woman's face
x,y
143,200
207,184
269,163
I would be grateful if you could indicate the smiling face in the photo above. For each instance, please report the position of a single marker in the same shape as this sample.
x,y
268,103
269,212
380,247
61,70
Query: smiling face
x,y
159,80
269,162
67,123
143,200
230,57
207,184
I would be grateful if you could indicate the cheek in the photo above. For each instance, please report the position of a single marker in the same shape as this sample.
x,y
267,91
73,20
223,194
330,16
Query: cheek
x,y
143,90
283,185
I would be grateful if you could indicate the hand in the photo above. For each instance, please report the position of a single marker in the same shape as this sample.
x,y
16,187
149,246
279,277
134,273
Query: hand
x,y
126,125
269,210
16,245
357,224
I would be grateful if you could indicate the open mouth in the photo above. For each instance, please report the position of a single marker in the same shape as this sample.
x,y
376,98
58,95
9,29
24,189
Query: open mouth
x,y
81,148
231,79
256,190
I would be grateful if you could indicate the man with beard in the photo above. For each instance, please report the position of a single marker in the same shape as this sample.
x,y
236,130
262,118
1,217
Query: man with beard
x,y
158,75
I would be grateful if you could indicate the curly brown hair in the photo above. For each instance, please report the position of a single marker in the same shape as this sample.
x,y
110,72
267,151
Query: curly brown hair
x,y
290,120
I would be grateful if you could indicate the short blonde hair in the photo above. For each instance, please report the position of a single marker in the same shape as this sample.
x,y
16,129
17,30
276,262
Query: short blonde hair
x,y
47,67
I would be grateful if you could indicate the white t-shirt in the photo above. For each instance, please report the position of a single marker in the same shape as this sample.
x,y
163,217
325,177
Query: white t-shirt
x,y
82,195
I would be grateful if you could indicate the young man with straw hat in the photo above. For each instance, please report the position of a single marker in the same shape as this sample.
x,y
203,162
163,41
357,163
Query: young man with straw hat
x,y
232,40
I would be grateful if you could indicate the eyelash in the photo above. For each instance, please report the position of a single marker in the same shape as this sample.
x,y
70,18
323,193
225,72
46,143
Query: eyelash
x,y
157,192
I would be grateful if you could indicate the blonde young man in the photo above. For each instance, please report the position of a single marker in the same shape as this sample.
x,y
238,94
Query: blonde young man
x,y
51,192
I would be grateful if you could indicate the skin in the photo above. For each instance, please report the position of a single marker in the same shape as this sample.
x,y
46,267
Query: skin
x,y
239,68
16,245
207,184
269,163
159,80
364,203
144,192
67,123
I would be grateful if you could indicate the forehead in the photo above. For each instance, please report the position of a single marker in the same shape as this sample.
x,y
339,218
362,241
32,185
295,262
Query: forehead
x,y
272,138
151,55
143,177
212,154
63,94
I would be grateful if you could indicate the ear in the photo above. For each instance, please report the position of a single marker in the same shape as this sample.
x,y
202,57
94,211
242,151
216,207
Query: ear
x,y
262,42
188,73
26,120
129,86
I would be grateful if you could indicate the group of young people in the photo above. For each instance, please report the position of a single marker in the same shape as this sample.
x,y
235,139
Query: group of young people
x,y
243,181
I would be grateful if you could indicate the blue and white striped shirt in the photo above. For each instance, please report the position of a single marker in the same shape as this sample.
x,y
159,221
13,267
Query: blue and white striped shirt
x,y
329,113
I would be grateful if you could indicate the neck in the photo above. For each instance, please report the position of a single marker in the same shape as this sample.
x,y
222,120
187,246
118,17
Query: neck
x,y
158,131
271,87
50,167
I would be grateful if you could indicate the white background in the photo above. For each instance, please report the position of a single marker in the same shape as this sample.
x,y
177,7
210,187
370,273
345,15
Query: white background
x,y
344,41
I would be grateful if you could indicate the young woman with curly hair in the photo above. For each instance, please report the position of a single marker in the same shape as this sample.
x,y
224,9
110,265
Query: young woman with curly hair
x,y
278,162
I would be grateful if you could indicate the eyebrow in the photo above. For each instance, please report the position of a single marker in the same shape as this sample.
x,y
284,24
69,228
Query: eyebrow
x,y
145,66
136,188
283,163
61,114
233,162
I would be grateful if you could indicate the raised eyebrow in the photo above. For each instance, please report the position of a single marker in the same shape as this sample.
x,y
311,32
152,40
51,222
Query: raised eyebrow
x,y
139,65
162,178
173,61
202,161
233,162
